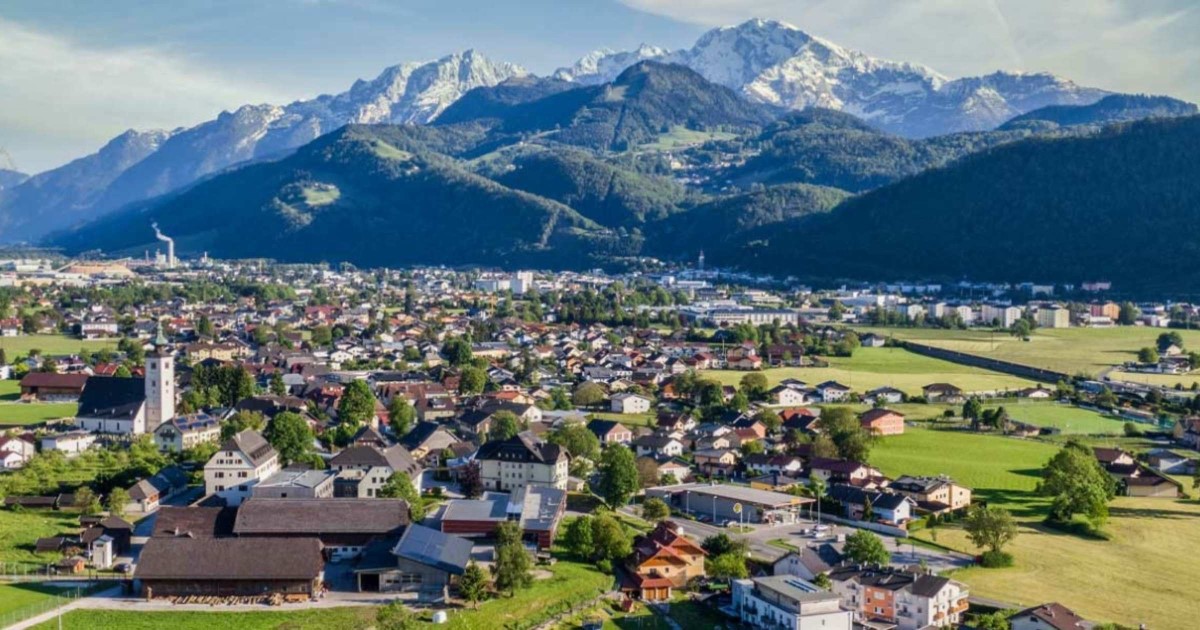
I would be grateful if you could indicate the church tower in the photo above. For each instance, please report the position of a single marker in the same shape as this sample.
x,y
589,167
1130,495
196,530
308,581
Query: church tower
x,y
700,262
160,382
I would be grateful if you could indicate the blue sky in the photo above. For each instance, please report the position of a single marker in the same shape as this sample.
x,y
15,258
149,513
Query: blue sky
x,y
75,73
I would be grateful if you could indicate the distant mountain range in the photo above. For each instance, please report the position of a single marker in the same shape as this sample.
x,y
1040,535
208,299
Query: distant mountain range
x,y
137,166
760,145
764,62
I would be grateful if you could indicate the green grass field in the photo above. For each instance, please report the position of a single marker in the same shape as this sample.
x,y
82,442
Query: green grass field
x,y
346,618
1144,574
1003,471
1068,350
1116,580
680,136
877,367
1071,420
33,413
628,419
19,530
50,344
19,598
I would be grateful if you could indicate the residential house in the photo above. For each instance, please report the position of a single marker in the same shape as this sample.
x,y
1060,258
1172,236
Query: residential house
x,y
716,462
186,432
933,494
364,470
788,396
943,393
765,464
70,443
657,445
116,528
242,461
1052,616
427,440
15,451
833,392
146,495
1170,462
891,508
881,421
785,602
844,471
1187,432
630,403
809,562
910,600
610,432
662,560
509,465
884,396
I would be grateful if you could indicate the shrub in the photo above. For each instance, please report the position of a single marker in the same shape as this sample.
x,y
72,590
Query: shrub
x,y
996,559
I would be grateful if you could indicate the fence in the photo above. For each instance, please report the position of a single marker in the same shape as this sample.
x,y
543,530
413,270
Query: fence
x,y
1047,377
52,602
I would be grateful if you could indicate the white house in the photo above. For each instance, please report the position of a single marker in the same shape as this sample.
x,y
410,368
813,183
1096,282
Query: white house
x,y
372,466
186,432
509,465
630,403
15,452
833,391
244,460
788,396
785,602
71,443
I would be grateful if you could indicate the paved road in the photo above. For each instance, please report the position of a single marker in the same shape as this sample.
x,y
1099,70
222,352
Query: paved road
x,y
904,553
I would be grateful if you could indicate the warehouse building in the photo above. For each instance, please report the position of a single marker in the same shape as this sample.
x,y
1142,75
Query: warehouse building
x,y
724,502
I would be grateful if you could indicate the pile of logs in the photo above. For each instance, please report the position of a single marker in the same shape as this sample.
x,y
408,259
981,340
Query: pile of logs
x,y
234,600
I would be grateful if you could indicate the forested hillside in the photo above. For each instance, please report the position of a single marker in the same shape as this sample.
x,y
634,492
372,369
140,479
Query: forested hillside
x,y
1121,205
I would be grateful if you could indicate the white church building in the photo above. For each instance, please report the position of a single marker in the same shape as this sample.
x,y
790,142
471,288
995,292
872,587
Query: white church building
x,y
131,406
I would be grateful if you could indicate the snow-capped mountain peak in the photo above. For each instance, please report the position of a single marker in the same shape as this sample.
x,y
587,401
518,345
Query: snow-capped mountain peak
x,y
777,63
603,65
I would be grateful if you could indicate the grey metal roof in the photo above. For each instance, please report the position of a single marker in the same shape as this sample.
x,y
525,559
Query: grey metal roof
x,y
476,510
433,548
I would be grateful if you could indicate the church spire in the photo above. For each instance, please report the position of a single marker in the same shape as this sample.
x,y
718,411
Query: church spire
x,y
160,340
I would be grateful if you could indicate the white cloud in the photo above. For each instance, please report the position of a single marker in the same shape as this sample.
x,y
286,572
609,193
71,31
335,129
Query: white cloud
x,y
63,99
1128,45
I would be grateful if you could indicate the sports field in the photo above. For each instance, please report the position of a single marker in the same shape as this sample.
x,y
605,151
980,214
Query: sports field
x,y
1068,350
892,367
1070,420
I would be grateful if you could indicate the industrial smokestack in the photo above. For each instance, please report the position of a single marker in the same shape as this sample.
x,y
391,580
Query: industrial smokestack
x,y
170,244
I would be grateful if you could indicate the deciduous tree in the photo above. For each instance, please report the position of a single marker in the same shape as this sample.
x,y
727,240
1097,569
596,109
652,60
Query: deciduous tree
x,y
618,476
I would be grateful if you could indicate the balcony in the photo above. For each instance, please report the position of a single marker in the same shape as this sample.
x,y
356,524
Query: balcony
x,y
960,606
